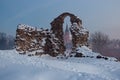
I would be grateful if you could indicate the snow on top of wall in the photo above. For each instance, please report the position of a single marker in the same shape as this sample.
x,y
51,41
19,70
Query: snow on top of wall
x,y
29,28
24,26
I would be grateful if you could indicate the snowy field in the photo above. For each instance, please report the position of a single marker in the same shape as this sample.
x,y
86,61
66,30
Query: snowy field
x,y
22,67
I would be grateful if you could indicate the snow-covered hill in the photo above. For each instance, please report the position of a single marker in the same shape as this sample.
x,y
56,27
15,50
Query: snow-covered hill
x,y
22,67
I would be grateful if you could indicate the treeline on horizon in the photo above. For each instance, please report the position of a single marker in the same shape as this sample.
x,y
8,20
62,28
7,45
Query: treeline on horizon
x,y
6,41
102,44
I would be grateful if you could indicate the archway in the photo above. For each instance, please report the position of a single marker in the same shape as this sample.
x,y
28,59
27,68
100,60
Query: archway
x,y
57,28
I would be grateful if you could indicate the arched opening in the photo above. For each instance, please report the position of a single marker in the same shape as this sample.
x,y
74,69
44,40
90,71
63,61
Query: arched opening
x,y
57,28
67,37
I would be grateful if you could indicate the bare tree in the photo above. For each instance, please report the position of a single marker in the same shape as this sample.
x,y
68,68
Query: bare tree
x,y
115,43
6,41
99,41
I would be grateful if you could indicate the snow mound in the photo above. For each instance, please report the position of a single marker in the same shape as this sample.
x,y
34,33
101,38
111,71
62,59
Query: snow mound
x,y
89,53
86,51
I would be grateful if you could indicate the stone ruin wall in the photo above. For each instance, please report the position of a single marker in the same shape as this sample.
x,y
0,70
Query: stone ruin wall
x,y
51,42
79,35
29,39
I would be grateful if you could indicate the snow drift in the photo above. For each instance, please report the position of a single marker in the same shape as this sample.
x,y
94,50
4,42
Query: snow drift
x,y
22,67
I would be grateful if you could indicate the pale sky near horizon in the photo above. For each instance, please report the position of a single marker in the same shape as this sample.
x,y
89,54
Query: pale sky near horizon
x,y
97,15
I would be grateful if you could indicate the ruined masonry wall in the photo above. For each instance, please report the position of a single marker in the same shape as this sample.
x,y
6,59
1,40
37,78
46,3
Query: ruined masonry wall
x,y
30,39
51,42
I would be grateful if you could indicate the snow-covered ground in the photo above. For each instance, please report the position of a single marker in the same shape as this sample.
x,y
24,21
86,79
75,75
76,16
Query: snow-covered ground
x,y
22,67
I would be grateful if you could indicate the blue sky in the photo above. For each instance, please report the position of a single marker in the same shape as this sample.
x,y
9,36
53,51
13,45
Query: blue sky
x,y
97,15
